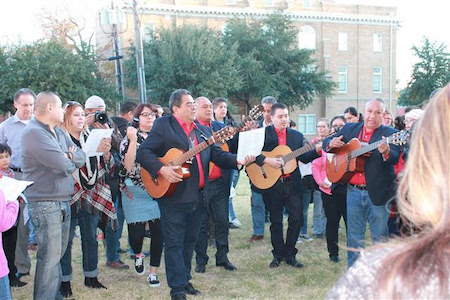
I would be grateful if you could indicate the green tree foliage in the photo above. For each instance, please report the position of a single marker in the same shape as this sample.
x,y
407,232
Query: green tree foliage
x,y
432,71
187,57
272,64
49,66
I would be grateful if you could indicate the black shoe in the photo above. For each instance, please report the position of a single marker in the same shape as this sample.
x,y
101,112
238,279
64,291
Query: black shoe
x,y
92,282
319,236
200,269
275,263
65,289
178,297
334,258
227,265
19,275
189,288
15,282
122,251
292,261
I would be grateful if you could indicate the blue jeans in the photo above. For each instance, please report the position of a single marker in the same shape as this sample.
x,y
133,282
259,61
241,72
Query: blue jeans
x,y
361,210
319,218
112,238
306,199
234,181
258,213
32,238
5,291
51,219
89,245
181,227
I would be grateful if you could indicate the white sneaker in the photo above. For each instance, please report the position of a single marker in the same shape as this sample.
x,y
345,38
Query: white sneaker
x,y
139,264
305,238
236,222
153,280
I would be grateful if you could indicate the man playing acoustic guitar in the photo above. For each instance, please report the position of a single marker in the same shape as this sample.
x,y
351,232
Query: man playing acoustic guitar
x,y
370,190
182,210
287,191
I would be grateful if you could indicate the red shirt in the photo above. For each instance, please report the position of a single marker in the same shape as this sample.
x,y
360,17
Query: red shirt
x,y
360,178
215,172
281,134
187,130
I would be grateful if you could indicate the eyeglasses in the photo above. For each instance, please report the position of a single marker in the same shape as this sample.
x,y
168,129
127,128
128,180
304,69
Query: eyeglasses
x,y
72,103
337,127
148,115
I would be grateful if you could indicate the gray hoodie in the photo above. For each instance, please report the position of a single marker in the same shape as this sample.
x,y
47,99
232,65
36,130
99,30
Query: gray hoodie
x,y
43,162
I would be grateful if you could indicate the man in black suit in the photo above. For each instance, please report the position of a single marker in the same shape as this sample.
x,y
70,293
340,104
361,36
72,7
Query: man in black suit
x,y
216,203
287,191
369,191
182,212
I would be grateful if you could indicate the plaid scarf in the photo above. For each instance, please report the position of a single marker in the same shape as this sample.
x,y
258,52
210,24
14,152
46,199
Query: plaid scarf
x,y
91,192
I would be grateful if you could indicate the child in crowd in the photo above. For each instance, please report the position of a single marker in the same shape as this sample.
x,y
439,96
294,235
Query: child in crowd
x,y
8,216
10,236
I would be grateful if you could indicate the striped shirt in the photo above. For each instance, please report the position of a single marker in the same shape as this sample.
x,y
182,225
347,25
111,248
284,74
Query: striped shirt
x,y
11,134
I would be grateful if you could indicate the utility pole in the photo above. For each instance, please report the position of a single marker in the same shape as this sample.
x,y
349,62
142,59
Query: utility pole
x,y
117,55
139,56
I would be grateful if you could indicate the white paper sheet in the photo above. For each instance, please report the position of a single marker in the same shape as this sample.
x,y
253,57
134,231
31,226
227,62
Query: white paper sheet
x,y
13,187
94,139
250,143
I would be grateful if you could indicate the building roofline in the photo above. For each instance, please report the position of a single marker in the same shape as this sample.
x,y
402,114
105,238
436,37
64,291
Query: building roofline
x,y
228,12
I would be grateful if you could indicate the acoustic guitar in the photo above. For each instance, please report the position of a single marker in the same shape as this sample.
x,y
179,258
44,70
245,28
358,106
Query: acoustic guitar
x,y
253,114
348,159
265,176
160,187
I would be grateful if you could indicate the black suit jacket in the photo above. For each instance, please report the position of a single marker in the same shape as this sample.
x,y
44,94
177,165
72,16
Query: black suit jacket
x,y
166,134
380,176
294,140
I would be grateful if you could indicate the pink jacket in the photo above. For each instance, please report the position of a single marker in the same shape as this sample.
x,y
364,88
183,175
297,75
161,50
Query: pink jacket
x,y
8,216
319,172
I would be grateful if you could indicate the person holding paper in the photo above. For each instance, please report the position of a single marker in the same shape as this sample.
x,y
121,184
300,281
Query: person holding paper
x,y
10,235
8,217
49,158
287,191
91,199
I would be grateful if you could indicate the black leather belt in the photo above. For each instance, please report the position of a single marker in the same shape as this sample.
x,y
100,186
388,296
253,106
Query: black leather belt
x,y
17,170
361,187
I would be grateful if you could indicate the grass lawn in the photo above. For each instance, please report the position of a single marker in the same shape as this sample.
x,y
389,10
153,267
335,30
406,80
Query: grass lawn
x,y
253,279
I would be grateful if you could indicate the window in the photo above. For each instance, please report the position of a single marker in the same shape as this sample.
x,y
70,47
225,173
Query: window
x,y
342,79
306,3
376,79
307,38
147,31
377,42
307,124
342,41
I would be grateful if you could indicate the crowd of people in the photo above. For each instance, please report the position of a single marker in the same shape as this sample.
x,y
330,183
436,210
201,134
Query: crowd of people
x,y
396,192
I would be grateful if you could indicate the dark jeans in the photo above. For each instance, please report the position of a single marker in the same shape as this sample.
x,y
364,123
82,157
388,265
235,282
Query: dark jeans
x,y
283,194
112,237
335,206
89,245
181,227
9,246
137,233
217,208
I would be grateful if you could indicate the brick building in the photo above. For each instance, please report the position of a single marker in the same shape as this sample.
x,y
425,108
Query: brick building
x,y
355,44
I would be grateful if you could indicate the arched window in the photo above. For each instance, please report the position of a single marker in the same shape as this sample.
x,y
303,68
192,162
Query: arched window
x,y
307,38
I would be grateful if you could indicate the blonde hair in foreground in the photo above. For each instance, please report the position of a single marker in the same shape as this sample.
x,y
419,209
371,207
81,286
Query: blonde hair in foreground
x,y
423,199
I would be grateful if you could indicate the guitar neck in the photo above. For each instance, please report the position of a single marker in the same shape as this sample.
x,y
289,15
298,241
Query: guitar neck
x,y
297,152
193,152
364,150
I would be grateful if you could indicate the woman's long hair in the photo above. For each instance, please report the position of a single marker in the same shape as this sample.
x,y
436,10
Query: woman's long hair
x,y
424,201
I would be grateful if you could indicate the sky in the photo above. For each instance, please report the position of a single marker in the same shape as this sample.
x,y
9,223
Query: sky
x,y
19,21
